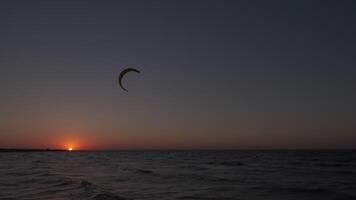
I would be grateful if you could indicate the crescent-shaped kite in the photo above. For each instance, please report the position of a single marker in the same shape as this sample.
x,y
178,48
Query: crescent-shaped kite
x,y
122,74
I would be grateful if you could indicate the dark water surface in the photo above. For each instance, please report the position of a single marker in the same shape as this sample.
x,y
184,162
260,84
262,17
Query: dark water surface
x,y
244,175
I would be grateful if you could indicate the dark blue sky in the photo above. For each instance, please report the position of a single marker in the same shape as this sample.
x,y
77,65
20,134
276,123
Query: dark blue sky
x,y
215,74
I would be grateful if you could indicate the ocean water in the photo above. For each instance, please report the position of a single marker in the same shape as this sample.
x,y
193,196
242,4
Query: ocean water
x,y
159,175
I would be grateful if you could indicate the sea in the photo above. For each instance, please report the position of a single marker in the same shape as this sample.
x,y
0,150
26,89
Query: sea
x,y
179,175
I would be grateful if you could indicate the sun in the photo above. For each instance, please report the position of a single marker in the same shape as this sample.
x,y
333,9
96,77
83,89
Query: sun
x,y
70,149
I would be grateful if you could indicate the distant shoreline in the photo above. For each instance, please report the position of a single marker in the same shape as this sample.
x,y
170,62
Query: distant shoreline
x,y
181,150
28,150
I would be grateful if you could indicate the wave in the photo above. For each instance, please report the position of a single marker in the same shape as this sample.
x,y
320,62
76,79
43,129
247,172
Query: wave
x,y
143,171
227,163
304,192
182,175
107,196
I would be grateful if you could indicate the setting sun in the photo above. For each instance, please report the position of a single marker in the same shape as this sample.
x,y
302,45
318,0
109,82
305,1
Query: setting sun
x,y
70,149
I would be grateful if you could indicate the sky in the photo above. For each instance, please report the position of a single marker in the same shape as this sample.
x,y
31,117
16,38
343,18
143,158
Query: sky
x,y
214,74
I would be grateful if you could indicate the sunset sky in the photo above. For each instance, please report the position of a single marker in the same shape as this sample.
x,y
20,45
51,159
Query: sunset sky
x,y
215,74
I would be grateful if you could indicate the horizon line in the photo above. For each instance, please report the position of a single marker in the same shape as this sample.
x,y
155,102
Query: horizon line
x,y
177,149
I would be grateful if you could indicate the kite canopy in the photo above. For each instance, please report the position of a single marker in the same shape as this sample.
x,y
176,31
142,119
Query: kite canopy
x,y
123,73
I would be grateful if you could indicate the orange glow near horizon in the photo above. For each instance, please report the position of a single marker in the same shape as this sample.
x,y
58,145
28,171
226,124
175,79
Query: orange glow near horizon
x,y
71,143
70,146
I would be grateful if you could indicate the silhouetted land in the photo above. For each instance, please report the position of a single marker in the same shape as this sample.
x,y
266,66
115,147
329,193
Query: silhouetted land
x,y
28,150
